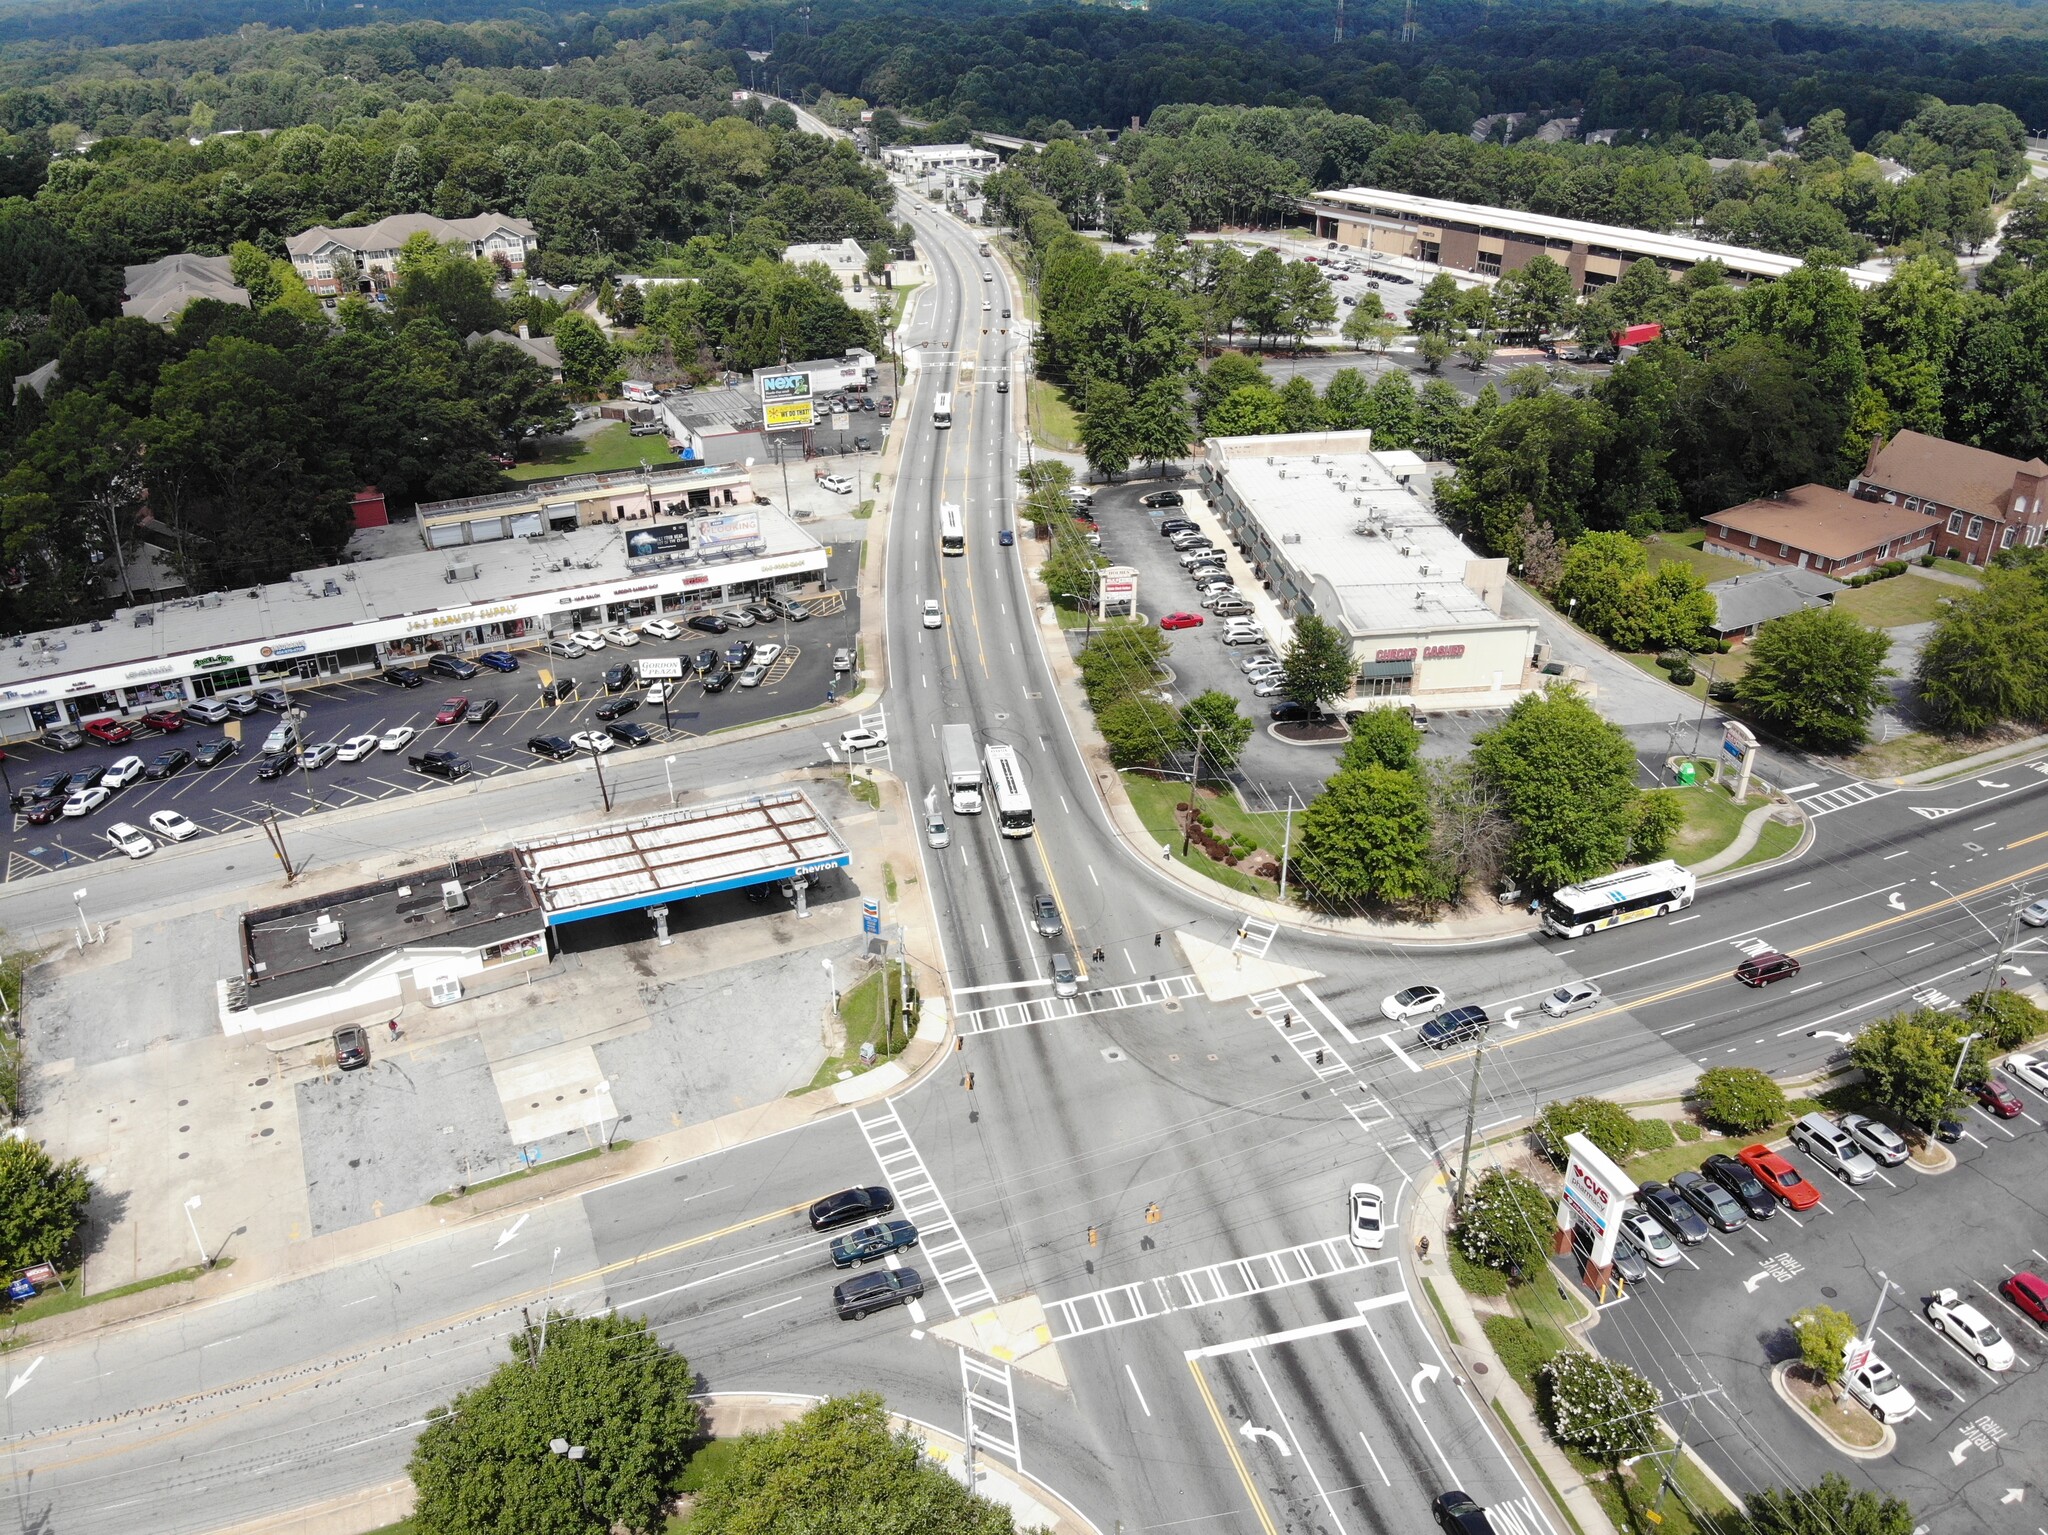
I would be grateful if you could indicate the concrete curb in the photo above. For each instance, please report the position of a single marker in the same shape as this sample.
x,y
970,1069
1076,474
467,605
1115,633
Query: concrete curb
x,y
1887,1442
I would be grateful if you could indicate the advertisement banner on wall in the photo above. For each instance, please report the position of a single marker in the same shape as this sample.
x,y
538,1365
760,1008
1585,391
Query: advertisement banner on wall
x,y
734,530
785,399
1597,1192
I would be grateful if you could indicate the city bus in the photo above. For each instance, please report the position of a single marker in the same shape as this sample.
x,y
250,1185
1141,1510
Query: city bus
x,y
942,410
1650,891
952,529
1006,791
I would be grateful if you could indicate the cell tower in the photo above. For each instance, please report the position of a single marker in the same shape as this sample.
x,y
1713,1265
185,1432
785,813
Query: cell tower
x,y
1340,20
1408,23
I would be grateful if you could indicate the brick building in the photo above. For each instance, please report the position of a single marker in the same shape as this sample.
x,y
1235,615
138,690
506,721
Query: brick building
x,y
1983,501
1816,527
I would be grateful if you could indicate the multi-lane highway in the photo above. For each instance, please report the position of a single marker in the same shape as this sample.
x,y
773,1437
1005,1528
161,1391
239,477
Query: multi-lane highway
x,y
1163,1174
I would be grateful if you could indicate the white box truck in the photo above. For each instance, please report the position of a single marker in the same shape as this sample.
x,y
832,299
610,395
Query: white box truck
x,y
963,768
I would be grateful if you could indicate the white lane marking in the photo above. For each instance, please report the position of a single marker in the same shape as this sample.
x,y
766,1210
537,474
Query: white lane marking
x,y
1336,1023
1802,788
1921,950
1888,857
26,1375
1676,920
1399,1054
1679,1030
1800,886
1389,1481
1298,1334
747,1315
1136,1390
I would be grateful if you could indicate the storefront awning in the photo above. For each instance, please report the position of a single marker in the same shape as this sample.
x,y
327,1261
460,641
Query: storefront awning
x,y
1388,669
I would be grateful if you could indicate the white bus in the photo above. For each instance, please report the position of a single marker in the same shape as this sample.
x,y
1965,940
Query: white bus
x,y
952,529
1650,891
1006,790
942,410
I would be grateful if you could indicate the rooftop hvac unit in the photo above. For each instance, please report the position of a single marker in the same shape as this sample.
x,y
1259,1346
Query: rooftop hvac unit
x,y
1358,500
1269,460
463,570
453,896
1283,474
326,933
1425,570
1407,548
1315,458
1290,538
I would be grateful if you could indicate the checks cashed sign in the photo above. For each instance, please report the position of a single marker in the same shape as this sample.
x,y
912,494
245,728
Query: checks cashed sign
x,y
1597,1192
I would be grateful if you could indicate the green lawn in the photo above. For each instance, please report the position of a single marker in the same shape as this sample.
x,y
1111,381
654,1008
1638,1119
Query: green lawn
x,y
1906,599
1684,548
1705,669
1958,568
1154,800
1712,819
1052,418
613,448
1775,840
1912,751
861,1011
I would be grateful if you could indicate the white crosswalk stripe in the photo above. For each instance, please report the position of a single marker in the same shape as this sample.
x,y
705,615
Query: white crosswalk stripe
x,y
1318,1054
1254,937
1841,798
991,1407
1109,999
941,1246
1233,1279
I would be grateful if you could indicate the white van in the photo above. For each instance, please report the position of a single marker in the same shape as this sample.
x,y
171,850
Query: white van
x,y
640,393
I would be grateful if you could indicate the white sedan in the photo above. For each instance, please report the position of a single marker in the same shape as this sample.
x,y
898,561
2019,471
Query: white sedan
x,y
767,655
2029,1068
589,639
123,773
86,801
396,739
1970,1330
591,741
661,628
355,748
1368,1216
621,637
172,826
1412,1003
128,839
933,618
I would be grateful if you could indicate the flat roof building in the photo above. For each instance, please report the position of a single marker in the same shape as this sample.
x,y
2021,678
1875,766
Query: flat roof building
x,y
538,507
1472,237
932,159
1351,535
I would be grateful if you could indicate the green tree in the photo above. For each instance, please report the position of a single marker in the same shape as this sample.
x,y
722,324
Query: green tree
x,y
1814,678
1300,409
482,1465
1213,719
1476,349
1385,736
1986,659
1119,661
1823,1333
42,1204
1607,1125
1598,568
840,1469
1161,426
1346,402
1567,783
1224,377
1434,348
1435,308
1069,569
1367,326
1668,608
1831,1506
1107,428
1599,1407
1506,1223
1739,1100
1253,411
1317,667
1536,298
1909,1061
1139,730
1540,451
2008,1019
587,357
1366,837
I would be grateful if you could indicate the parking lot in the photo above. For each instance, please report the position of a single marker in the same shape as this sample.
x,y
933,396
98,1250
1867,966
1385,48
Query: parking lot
x,y
1713,1326
231,796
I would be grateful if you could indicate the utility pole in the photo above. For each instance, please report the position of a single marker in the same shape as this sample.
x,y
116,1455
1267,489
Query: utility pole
x,y
1471,1115
276,835
1286,842
604,792
1187,826
2012,927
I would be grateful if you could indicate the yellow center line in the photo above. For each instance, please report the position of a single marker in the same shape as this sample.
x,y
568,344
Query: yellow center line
x,y
1704,981
2023,841
1230,1448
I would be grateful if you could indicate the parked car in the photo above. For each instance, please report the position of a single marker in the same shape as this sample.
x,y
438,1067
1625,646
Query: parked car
x,y
1877,1386
85,801
162,722
1651,1239
1629,1261
661,628
403,676
355,748
444,665
313,758
767,655
838,484
125,772
1762,969
616,707
553,747
1172,525
351,1047
440,764
559,691
708,623
481,710
1368,1217
1995,1097
1454,1027
592,743
125,837
166,763
739,618
1181,621
1970,1330
1291,713
621,636
589,639
62,738
855,1298
718,679
499,660
1161,498
872,1242
1669,1209
397,738
2028,1292
751,674
1884,1144
562,646
705,661
1742,1186
850,1205
629,734
172,826
108,732
206,754
205,711
1779,1176
273,765
451,711
1833,1147
1716,1206
1571,998
240,705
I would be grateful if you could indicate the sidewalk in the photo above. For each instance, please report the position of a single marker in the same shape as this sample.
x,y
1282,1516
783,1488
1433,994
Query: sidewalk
x,y
1482,1373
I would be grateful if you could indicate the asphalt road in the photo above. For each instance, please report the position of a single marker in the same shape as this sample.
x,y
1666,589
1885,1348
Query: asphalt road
x,y
1233,1364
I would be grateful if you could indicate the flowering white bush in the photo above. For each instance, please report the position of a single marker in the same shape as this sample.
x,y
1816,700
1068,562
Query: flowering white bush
x,y
1506,1221
1599,1407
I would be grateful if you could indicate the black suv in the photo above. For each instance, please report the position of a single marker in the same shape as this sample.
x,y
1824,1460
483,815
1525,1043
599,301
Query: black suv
x,y
452,666
440,764
49,786
1454,1027
739,653
856,1297
630,734
402,676
167,763
551,746
1160,498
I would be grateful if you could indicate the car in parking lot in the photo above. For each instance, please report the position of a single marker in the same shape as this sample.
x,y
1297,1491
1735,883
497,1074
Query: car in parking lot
x,y
355,748
1833,1147
1453,1027
1877,1386
481,710
1171,525
1412,1002
589,639
795,612
629,734
126,837
708,623
1970,1330
1651,1239
240,705
162,722
108,732
1243,636
1716,1206
86,800
751,674
452,667
313,758
705,660
273,765
1992,1094
850,1205
1670,1210
351,1047
172,760
768,654
1368,1217
1741,1184
397,738
553,747
499,660
451,710
2030,1068
172,826
871,1242
615,707
1778,1176
1045,916
621,636
855,1298
739,653
440,764
561,645
1291,713
1629,1261
718,679
42,812
1571,998
1161,498
838,484
1762,969
662,628
1181,621
205,711
49,786
1884,1145
124,772
739,618
2028,1292
594,743
403,676
561,690
213,753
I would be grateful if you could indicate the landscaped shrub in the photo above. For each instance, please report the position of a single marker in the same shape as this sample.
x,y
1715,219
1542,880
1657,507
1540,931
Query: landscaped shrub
x,y
1653,1134
2007,1018
1685,1130
1607,1125
1739,1099
1682,675
1506,1223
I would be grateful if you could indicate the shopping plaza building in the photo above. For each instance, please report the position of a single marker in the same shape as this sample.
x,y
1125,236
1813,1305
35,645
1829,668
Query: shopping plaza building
x,y
489,572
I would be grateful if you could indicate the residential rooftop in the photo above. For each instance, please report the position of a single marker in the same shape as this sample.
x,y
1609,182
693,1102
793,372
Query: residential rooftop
x,y
1822,520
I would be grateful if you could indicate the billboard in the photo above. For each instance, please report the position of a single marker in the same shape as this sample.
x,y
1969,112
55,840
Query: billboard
x,y
785,395
665,538
733,530
1597,1192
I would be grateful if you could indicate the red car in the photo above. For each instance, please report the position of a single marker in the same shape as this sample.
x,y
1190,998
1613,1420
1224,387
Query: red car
x,y
452,709
1996,1097
2029,1292
1779,1176
107,732
164,721
1170,621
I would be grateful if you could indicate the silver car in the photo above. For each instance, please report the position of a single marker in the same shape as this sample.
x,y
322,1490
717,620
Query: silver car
x,y
1570,998
935,832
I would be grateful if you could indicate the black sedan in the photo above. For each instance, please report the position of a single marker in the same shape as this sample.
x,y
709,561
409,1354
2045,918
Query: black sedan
x,y
618,678
850,1205
708,623
403,677
1738,1180
718,679
276,764
167,763
706,660
213,753
1714,1203
613,708
871,1242
551,746
630,734
1668,1208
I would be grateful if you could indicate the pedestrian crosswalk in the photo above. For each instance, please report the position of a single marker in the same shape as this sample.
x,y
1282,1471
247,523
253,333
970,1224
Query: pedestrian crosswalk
x,y
940,1242
1318,1054
1209,1285
1841,797
1109,999
991,1398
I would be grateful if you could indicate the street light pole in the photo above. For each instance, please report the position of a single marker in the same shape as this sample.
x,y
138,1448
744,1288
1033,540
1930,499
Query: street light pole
x,y
1884,1288
1961,1055
604,792
668,765
192,1204
84,928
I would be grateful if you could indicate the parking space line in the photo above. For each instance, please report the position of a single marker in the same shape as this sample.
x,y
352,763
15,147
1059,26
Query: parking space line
x,y
1965,1357
1933,1375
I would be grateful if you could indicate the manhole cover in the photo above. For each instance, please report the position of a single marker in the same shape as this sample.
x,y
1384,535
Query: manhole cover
x,y
1828,1291
1112,1055
1479,1367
